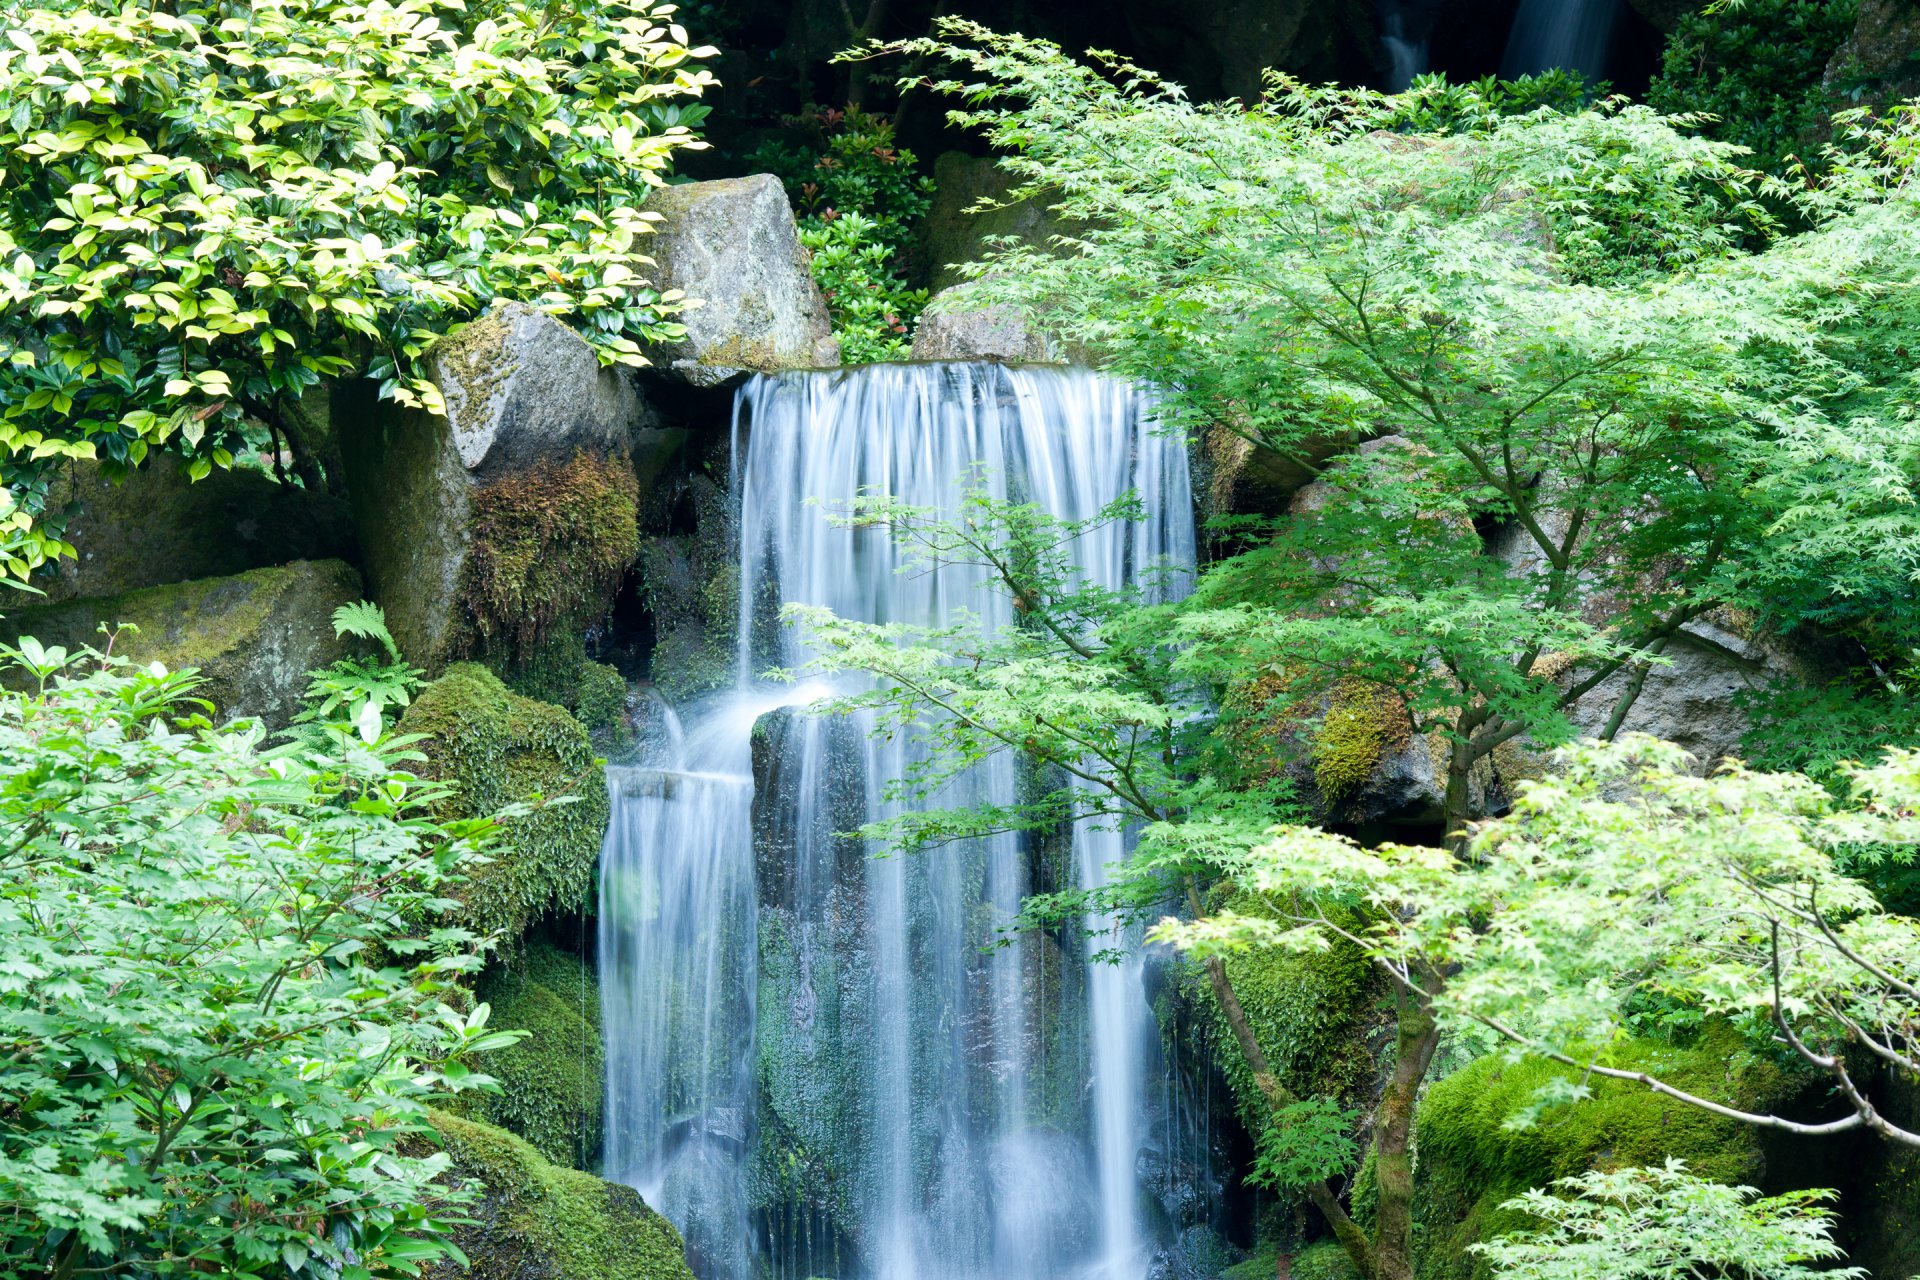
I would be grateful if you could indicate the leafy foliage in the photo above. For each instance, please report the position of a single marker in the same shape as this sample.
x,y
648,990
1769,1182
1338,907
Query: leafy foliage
x,y
223,1008
358,690
1306,1142
1757,69
861,199
1662,1223
215,207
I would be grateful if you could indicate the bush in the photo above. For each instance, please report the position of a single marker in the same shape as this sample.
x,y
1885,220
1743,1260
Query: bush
x,y
222,1009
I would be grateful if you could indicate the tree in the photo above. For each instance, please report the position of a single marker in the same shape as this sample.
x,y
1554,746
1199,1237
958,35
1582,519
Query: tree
x,y
211,208
1665,1224
1556,408
224,1004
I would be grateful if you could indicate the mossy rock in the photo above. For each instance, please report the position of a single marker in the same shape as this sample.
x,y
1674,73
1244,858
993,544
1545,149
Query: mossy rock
x,y
254,636
1312,1014
551,1081
500,748
536,1221
1323,1261
1468,1163
156,526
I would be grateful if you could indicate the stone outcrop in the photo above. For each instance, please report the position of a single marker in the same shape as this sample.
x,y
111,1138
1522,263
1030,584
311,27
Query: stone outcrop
x,y
732,245
1880,61
508,521
157,526
253,636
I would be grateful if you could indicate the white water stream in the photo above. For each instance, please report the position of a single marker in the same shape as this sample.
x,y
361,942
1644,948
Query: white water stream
x,y
792,1020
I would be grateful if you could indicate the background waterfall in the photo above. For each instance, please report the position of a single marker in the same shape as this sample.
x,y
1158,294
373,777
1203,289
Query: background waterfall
x,y
813,1054
1572,35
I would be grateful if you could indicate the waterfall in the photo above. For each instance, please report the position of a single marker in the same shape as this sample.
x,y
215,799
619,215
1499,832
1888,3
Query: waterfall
x,y
1571,35
819,1063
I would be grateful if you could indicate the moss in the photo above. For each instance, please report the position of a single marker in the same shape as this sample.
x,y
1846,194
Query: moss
x,y
1469,1164
1364,723
1311,1014
534,1219
500,748
551,1081
547,548
1323,1261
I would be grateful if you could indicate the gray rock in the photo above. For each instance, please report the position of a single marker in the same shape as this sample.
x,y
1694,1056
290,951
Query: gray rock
x,y
732,245
157,526
512,513
253,636
954,327
957,230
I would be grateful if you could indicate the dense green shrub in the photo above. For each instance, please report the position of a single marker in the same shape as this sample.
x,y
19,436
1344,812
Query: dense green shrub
x,y
222,1011
213,207
1758,67
860,200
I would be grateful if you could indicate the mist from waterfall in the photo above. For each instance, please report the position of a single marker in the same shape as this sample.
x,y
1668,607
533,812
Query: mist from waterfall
x,y
818,1063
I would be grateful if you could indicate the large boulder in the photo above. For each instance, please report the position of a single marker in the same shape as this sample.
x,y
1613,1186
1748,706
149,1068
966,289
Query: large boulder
x,y
733,247
505,523
253,636
533,1220
157,526
1880,61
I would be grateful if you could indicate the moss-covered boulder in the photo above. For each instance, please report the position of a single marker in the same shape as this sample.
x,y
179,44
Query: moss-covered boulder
x,y
1468,1163
551,1081
733,245
506,523
536,1221
156,526
500,748
254,636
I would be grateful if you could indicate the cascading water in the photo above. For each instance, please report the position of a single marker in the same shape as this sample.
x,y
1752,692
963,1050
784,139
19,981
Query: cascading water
x,y
1569,35
818,1064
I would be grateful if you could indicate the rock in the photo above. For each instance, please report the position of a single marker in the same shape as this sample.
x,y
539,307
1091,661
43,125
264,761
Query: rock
x,y
507,522
499,749
955,328
733,245
957,233
1880,61
535,1221
156,526
253,636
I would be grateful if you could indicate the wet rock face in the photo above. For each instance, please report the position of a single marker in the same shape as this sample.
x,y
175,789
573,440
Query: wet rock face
x,y
1881,59
508,520
253,636
733,246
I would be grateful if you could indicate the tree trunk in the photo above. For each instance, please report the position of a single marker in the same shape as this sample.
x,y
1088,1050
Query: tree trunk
x,y
1416,1039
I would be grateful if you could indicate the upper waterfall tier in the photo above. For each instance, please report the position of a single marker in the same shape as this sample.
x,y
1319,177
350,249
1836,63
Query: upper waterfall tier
x,y
816,1056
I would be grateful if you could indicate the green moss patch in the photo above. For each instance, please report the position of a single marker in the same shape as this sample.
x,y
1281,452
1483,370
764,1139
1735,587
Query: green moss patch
x,y
551,1081
1469,1164
534,1219
500,748
546,550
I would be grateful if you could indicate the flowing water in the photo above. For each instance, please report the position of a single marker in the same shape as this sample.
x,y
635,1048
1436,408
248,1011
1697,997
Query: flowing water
x,y
817,1063
1569,35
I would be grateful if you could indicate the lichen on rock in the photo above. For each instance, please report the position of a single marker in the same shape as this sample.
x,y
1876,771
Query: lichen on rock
x,y
536,1221
500,748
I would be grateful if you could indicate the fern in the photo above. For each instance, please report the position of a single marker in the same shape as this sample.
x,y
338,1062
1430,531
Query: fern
x,y
367,621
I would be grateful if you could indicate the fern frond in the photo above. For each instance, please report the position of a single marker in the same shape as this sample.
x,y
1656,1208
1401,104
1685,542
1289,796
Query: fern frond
x,y
368,621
